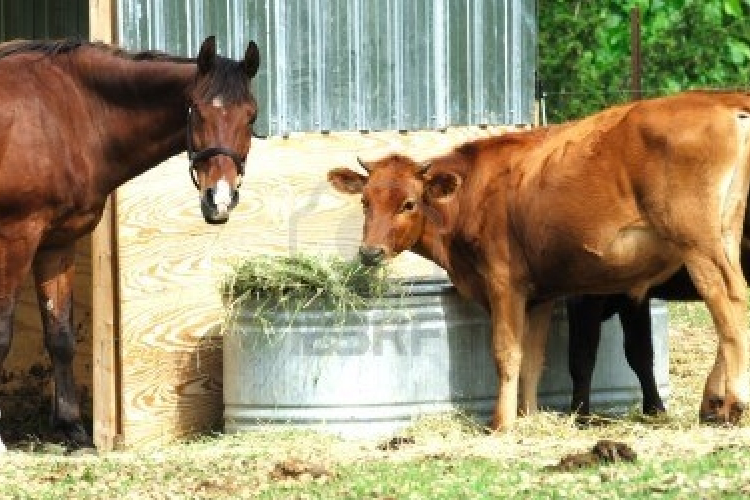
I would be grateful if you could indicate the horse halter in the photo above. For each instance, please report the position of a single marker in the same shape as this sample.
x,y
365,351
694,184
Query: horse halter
x,y
204,154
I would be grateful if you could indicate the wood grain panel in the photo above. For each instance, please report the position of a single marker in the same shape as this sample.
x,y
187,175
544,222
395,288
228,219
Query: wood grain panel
x,y
171,262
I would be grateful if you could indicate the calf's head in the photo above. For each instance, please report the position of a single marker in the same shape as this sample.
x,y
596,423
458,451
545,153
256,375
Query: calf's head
x,y
400,199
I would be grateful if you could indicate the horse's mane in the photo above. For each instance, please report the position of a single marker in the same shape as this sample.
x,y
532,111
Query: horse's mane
x,y
228,79
68,45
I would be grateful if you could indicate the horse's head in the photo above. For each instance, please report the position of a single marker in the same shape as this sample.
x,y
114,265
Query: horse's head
x,y
220,119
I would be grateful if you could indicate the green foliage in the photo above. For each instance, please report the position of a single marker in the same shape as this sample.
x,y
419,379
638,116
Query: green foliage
x,y
584,50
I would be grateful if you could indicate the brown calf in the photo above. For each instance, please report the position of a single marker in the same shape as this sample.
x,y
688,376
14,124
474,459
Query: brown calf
x,y
614,203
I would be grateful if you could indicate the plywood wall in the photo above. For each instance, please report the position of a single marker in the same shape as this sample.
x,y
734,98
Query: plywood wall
x,y
26,378
171,262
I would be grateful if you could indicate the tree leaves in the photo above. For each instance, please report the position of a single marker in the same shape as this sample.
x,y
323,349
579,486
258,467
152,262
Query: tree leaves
x,y
584,50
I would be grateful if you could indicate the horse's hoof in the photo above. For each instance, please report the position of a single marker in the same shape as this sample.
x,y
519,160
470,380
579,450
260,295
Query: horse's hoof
x,y
75,435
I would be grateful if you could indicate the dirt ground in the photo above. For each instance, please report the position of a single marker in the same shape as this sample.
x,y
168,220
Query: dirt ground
x,y
540,439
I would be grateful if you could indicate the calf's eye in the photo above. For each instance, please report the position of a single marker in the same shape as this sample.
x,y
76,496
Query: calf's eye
x,y
408,206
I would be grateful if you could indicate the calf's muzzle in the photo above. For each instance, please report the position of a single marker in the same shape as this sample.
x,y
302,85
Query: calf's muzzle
x,y
371,255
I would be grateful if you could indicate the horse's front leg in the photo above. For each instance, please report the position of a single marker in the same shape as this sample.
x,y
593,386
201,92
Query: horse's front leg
x,y
54,272
17,247
7,305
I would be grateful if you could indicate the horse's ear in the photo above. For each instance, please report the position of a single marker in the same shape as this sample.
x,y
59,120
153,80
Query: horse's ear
x,y
347,181
252,59
207,55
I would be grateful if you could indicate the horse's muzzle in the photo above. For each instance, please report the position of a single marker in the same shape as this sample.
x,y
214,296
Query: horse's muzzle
x,y
217,202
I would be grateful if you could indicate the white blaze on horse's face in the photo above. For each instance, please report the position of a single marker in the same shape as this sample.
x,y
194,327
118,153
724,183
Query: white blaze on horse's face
x,y
222,197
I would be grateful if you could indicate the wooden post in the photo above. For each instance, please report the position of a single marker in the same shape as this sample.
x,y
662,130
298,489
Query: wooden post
x,y
635,53
105,305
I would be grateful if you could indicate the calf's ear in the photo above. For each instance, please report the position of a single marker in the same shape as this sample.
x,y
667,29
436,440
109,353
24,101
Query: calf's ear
x,y
441,186
347,181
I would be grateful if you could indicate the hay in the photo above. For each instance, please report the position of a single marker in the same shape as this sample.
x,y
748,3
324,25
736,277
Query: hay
x,y
268,284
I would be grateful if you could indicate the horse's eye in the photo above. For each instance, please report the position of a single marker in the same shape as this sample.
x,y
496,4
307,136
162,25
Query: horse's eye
x,y
408,206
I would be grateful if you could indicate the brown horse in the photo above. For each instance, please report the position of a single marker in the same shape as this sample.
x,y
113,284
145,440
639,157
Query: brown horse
x,y
79,119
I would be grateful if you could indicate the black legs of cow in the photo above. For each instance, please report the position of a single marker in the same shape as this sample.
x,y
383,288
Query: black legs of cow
x,y
585,315
584,322
639,351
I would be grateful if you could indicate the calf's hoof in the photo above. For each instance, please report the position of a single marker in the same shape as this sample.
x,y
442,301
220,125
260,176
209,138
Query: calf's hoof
x,y
717,413
736,411
496,425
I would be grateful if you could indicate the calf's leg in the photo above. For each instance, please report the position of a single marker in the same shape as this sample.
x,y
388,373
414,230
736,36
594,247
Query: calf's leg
x,y
534,347
723,288
508,312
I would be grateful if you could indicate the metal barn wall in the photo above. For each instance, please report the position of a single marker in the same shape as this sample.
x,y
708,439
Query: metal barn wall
x,y
43,19
333,65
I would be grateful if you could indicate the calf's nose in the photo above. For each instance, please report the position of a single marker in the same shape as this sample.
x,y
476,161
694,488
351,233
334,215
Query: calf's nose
x,y
371,255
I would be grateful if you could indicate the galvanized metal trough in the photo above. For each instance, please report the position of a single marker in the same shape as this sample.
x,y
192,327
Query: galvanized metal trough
x,y
419,351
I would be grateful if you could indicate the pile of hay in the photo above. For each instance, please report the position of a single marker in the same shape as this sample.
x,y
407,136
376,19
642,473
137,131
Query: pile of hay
x,y
268,284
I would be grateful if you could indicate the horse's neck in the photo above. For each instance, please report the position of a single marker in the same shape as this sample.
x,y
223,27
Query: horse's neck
x,y
145,115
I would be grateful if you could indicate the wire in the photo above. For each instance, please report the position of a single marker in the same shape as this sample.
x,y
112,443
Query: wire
x,y
548,92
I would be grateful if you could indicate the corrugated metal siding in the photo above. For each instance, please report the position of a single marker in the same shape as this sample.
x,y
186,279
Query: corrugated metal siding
x,y
361,64
42,19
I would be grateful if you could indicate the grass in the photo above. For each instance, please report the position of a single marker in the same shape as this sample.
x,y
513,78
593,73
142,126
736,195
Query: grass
x,y
447,456
721,474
